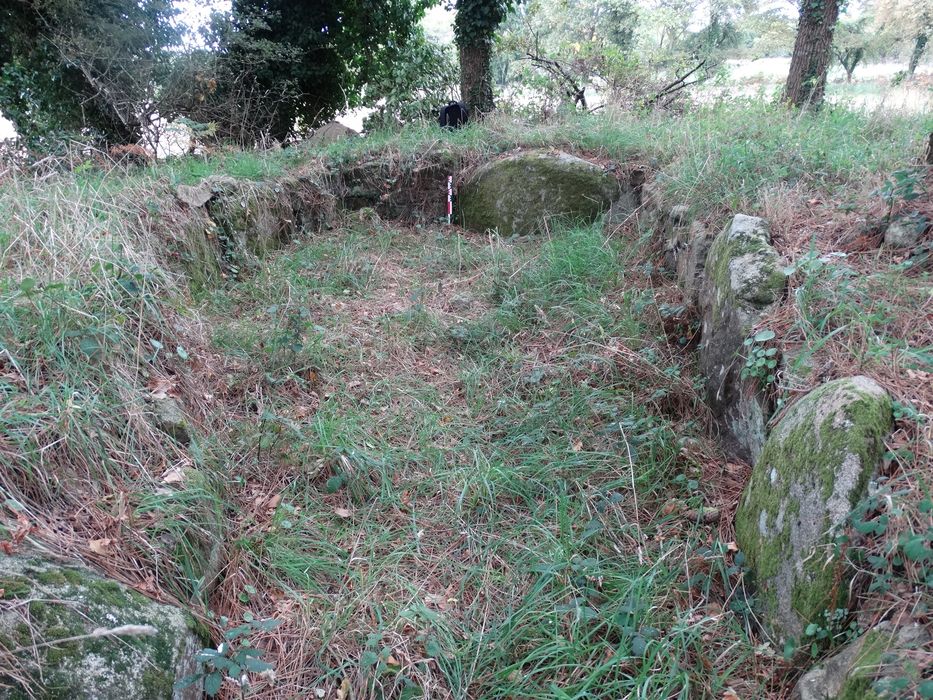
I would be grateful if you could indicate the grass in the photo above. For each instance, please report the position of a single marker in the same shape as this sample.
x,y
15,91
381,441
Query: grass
x,y
452,465
459,520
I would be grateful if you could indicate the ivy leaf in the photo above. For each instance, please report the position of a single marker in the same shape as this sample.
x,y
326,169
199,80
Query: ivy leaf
x,y
764,335
212,683
256,665
915,548
183,683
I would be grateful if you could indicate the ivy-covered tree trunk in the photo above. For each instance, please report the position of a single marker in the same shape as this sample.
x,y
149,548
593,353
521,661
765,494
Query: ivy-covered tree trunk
x,y
920,45
476,77
806,81
474,29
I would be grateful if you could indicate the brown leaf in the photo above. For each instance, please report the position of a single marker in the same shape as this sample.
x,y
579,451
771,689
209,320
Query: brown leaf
x,y
342,513
161,388
577,445
173,475
101,546
730,694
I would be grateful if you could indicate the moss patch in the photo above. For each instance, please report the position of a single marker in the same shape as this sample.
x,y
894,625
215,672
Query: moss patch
x,y
519,194
72,601
743,266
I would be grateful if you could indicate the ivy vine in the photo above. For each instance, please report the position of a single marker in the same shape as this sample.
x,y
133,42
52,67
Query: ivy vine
x,y
477,20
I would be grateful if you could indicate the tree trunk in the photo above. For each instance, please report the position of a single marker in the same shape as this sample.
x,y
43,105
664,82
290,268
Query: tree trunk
x,y
920,44
476,77
806,81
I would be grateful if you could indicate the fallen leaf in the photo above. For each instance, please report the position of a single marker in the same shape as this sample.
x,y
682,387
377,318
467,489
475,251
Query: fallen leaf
x,y
438,601
577,445
161,388
730,694
342,513
274,502
391,661
173,475
101,546
732,546
345,691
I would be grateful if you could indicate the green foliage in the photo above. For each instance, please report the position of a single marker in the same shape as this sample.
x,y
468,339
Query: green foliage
x,y
559,49
760,361
310,59
904,185
478,20
831,631
235,658
422,77
84,69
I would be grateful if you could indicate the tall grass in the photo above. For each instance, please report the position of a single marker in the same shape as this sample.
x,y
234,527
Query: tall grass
x,y
456,518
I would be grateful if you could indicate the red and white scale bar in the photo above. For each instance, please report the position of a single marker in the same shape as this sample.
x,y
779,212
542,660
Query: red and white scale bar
x,y
450,198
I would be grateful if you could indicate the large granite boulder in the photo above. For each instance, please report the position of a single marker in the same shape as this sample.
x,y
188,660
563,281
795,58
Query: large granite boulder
x,y
814,468
519,194
742,276
44,600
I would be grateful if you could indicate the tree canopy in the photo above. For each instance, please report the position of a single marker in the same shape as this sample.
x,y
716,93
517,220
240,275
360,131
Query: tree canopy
x,y
332,51
91,67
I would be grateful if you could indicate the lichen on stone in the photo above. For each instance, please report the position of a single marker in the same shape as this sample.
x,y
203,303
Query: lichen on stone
x,y
743,276
65,599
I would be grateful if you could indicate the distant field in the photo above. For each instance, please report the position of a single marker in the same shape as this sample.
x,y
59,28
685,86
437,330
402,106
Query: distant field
x,y
871,85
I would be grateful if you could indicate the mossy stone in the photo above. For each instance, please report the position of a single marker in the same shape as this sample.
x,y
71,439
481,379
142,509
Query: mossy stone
x,y
742,276
68,600
854,672
520,194
814,468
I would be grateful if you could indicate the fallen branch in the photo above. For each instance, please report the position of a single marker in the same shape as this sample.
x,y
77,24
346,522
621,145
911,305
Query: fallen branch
x,y
676,85
122,631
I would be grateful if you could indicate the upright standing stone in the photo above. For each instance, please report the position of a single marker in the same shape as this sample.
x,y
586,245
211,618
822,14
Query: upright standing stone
x,y
813,470
743,276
